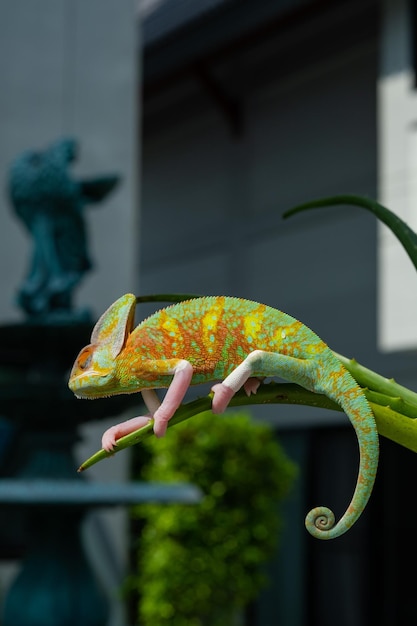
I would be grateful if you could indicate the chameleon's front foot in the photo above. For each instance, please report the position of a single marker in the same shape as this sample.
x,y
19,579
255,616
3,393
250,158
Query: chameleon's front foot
x,y
109,438
112,434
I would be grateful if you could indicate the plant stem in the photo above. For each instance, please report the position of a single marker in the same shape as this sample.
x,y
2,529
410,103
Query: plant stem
x,y
183,413
394,426
370,379
394,407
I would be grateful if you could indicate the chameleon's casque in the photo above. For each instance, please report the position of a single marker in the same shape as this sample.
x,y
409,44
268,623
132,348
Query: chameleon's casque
x,y
221,339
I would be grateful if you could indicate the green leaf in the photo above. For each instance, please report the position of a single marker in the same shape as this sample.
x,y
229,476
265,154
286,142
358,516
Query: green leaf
x,y
401,230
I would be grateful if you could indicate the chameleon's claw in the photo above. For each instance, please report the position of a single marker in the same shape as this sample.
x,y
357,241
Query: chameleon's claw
x,y
109,439
160,424
252,385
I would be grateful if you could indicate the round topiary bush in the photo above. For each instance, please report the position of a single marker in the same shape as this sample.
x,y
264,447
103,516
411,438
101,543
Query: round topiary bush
x,y
198,564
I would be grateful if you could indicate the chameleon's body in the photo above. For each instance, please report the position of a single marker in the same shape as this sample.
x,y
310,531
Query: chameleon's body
x,y
221,338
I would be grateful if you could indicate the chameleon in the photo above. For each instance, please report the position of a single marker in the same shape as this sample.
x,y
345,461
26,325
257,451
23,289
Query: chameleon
x,y
232,340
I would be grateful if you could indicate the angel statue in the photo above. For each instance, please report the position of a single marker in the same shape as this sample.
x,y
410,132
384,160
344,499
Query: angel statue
x,y
50,203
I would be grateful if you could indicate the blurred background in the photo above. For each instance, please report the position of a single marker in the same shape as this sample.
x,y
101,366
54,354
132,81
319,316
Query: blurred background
x,y
219,115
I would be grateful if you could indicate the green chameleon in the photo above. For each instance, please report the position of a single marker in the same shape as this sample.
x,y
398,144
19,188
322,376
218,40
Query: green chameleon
x,y
227,339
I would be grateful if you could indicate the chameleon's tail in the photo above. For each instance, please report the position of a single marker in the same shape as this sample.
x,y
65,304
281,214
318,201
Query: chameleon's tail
x,y
320,522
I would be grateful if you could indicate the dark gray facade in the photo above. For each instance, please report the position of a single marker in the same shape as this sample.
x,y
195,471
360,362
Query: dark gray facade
x,y
234,134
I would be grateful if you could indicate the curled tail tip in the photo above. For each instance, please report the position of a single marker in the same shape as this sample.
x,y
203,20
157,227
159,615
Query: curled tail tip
x,y
320,523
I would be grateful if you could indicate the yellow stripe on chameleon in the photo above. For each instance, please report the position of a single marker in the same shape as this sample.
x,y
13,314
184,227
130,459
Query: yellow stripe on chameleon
x,y
173,328
253,322
287,332
210,322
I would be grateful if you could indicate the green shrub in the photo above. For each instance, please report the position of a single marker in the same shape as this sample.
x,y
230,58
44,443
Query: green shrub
x,y
198,564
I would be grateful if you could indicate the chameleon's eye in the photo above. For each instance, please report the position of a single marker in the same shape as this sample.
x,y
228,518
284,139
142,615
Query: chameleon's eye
x,y
84,360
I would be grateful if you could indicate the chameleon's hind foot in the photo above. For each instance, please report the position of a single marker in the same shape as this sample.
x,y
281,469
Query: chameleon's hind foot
x,y
252,385
222,396
223,393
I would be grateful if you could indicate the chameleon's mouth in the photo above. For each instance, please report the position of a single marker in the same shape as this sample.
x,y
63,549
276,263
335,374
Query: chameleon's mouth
x,y
92,396
88,384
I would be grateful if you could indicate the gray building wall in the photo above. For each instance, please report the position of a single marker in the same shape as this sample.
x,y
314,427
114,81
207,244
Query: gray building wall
x,y
211,223
70,67
212,205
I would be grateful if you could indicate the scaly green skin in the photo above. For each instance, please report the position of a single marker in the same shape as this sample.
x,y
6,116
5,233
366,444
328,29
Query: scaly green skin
x,y
233,340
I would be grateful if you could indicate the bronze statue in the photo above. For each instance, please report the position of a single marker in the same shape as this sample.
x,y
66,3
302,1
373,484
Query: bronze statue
x,y
50,202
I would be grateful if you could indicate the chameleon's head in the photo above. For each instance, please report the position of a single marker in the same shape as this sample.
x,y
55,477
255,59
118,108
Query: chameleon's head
x,y
95,373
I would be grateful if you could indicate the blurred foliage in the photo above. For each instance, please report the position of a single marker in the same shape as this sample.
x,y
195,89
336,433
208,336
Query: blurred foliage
x,y
198,564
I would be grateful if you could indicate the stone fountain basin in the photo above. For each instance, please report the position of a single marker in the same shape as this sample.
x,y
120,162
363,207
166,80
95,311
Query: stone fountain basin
x,y
44,492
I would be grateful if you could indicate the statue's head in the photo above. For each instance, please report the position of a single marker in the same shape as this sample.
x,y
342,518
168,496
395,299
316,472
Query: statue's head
x,y
41,175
